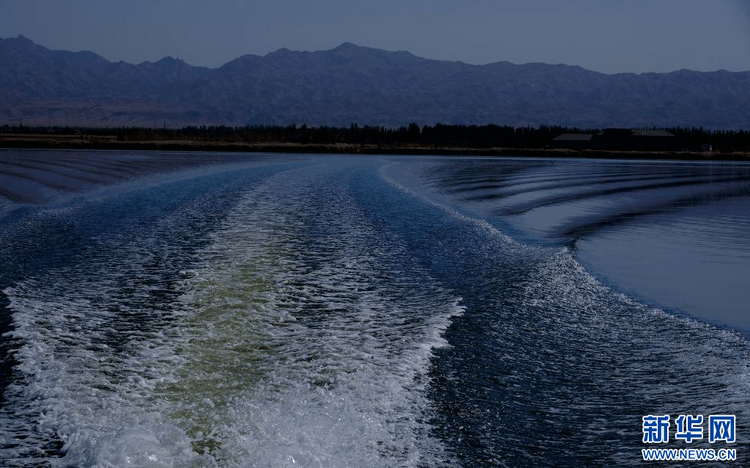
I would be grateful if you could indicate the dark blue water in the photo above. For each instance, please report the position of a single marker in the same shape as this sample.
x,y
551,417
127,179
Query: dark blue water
x,y
670,233
211,310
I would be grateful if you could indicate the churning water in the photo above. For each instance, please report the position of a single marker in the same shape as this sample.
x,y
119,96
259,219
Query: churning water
x,y
197,310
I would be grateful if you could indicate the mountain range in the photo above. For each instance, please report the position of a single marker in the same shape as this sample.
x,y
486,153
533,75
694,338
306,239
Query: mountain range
x,y
353,84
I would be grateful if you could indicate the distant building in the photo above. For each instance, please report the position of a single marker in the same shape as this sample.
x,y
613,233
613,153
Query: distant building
x,y
577,141
620,139
652,140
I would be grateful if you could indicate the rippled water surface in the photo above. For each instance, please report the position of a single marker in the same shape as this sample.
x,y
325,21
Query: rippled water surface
x,y
170,309
671,233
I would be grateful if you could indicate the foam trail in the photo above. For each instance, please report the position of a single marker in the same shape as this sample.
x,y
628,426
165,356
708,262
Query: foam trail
x,y
302,334
327,354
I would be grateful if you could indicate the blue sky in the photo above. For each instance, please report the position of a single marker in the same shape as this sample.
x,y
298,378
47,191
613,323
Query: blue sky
x,y
604,35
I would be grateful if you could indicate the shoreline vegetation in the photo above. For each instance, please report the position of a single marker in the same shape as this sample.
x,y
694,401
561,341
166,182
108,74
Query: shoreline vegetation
x,y
438,140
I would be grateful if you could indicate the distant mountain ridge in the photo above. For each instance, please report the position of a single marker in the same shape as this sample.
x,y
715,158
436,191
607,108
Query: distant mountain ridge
x,y
353,84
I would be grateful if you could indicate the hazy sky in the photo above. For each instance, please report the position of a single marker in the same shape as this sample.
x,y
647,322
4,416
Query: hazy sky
x,y
603,35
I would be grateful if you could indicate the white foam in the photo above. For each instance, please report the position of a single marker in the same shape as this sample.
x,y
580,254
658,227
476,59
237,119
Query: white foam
x,y
340,377
285,348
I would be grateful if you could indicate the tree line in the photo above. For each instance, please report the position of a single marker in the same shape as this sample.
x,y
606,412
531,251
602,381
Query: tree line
x,y
439,135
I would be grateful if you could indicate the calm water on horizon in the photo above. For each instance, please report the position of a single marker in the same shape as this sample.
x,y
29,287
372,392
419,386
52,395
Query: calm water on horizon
x,y
231,310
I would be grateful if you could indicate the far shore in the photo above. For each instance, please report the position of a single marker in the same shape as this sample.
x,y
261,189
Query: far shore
x,y
110,142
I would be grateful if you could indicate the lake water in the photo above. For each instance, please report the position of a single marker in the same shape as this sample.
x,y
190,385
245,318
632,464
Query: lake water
x,y
200,310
